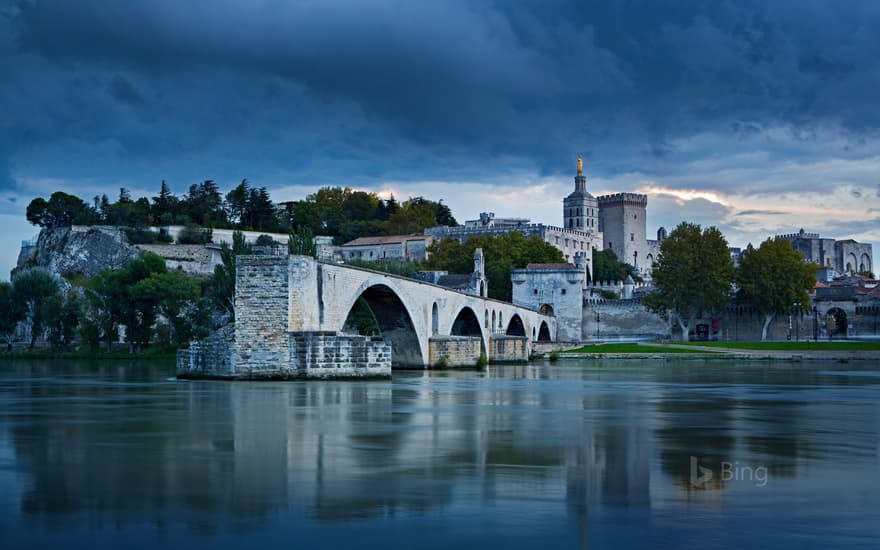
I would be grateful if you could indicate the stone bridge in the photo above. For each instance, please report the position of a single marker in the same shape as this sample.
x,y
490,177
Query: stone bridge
x,y
295,312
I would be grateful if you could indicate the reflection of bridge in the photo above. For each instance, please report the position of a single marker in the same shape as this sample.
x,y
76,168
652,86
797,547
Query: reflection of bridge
x,y
292,312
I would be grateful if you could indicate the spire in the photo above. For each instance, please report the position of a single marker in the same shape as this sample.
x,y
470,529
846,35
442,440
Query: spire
x,y
580,181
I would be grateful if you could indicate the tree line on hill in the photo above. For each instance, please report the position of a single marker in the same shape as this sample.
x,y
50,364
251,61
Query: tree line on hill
x,y
341,213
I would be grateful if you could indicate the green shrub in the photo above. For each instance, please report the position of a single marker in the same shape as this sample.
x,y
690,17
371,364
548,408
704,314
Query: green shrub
x,y
554,356
442,363
265,240
141,236
482,361
164,237
194,234
609,294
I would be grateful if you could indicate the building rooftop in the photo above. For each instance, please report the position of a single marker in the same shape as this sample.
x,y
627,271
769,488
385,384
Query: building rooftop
x,y
455,281
386,239
553,266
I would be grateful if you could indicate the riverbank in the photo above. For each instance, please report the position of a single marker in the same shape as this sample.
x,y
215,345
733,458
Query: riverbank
x,y
169,354
747,351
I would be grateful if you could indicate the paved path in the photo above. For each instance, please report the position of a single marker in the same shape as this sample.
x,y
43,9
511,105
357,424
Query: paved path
x,y
709,352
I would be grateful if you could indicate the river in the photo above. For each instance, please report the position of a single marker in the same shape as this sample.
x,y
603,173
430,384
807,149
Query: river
x,y
573,454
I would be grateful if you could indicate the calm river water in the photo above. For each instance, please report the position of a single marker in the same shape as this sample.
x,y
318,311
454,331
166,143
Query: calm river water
x,y
576,454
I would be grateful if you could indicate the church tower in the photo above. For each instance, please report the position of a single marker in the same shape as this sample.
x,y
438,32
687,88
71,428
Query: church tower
x,y
580,209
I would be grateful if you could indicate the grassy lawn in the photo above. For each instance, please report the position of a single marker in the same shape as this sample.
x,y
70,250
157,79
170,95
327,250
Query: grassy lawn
x,y
823,345
629,348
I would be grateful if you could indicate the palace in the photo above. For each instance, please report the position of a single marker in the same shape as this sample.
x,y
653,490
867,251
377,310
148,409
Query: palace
x,y
616,222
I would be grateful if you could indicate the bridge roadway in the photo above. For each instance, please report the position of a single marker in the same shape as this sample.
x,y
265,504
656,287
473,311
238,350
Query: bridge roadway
x,y
414,317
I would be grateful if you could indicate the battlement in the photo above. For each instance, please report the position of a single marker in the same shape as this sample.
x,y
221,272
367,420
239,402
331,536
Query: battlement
x,y
623,199
800,235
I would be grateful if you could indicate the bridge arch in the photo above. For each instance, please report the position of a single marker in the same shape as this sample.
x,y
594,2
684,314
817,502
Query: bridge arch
x,y
546,309
865,264
394,322
466,323
515,326
544,332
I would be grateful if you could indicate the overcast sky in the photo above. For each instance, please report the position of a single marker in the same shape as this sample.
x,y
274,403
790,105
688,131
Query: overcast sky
x,y
758,117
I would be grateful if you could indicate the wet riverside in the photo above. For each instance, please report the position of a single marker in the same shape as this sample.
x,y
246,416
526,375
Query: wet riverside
x,y
574,454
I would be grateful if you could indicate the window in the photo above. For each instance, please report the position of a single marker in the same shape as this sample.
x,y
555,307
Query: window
x,y
563,291
632,237
536,291
635,216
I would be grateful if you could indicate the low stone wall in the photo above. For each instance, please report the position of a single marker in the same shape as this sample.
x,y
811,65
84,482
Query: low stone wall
x,y
458,351
311,355
332,355
510,349
208,358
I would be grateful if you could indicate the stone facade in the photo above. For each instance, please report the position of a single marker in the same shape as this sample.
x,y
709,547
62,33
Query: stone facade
x,y
510,349
621,319
569,242
332,355
844,256
455,351
403,248
556,288
623,223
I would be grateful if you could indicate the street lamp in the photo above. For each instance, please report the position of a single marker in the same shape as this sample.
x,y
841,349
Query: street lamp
x,y
815,324
797,326
597,325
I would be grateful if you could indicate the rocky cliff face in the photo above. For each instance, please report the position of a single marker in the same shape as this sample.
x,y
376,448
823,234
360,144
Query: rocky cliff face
x,y
78,250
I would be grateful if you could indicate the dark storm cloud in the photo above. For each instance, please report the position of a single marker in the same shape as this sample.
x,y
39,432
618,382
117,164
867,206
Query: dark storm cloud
x,y
438,90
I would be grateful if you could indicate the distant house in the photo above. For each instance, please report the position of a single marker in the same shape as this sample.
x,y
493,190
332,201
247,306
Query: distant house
x,y
402,248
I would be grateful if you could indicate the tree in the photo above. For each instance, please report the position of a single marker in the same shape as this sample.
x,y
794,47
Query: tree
x,y
502,253
174,293
164,206
62,314
32,288
116,299
236,202
412,217
606,267
223,280
61,210
302,243
12,312
203,204
693,274
773,278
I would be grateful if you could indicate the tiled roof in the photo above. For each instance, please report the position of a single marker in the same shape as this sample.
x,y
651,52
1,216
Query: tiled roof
x,y
455,281
386,239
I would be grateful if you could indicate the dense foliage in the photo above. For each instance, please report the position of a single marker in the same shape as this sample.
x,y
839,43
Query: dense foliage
x,y
606,267
773,279
693,274
341,213
502,253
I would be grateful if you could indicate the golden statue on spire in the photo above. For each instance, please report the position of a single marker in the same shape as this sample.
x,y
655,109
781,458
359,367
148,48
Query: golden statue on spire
x,y
580,165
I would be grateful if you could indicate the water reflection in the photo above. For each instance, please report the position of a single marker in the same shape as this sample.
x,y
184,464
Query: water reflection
x,y
570,451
